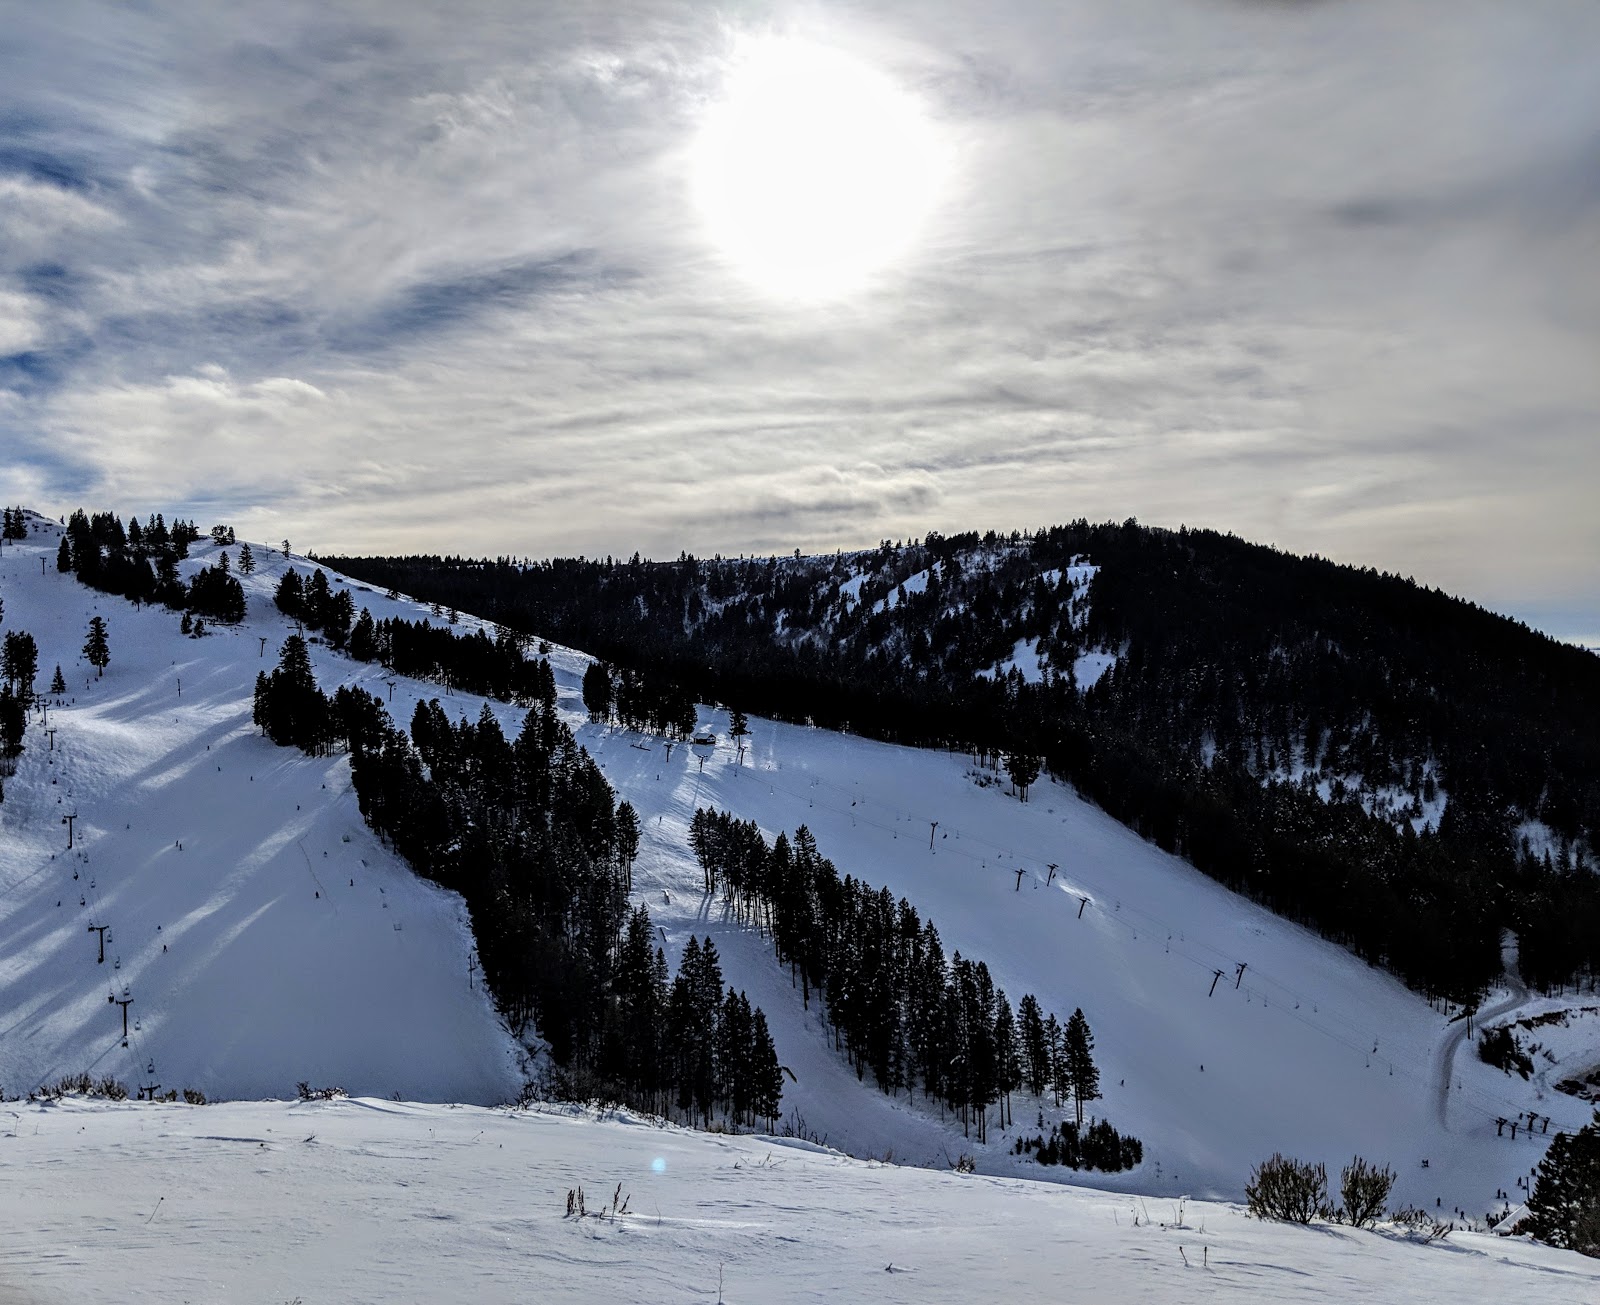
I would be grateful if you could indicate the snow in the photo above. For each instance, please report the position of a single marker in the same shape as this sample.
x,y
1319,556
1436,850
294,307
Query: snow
x,y
223,866
912,584
1024,659
364,1200
279,969
1090,666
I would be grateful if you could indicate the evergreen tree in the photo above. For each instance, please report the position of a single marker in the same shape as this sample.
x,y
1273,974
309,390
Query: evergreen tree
x,y
19,663
1035,1046
315,600
290,595
63,556
289,706
247,560
97,647
1564,1209
13,724
627,835
58,682
1082,1073
1023,768
1008,1052
767,1088
215,593
364,638
337,614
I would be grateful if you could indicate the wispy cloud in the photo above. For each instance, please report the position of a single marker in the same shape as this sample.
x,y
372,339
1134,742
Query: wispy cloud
x,y
381,276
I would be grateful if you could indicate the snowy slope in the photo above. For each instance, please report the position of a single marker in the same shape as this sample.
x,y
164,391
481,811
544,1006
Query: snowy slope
x,y
262,933
372,1201
1312,1052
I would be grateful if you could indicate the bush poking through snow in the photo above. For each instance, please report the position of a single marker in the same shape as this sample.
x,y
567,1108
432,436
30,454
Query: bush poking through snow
x,y
80,1085
577,1208
309,1093
1420,1225
1288,1190
1364,1191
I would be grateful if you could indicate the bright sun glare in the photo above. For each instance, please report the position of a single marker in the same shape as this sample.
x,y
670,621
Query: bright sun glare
x,y
815,170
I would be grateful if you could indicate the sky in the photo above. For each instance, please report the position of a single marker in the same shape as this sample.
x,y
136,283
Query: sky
x,y
557,278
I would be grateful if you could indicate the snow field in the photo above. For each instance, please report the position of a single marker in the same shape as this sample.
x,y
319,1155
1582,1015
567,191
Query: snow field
x,y
374,1201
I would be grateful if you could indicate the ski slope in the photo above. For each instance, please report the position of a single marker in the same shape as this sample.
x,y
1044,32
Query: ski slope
x,y
294,954
262,934
373,1201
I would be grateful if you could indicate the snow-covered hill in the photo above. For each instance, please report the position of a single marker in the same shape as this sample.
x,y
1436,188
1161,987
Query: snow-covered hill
x,y
373,1201
297,949
261,932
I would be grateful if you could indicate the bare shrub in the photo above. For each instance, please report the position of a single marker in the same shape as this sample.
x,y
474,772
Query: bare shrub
x,y
1364,1191
1281,1188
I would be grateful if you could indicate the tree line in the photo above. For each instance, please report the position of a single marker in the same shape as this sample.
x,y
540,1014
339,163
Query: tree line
x,y
893,1002
140,563
528,831
637,701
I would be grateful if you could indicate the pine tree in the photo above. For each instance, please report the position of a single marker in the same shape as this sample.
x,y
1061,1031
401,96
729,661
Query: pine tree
x,y
97,648
627,831
1008,1053
1060,1081
597,691
1035,1046
13,724
290,596
1082,1072
767,1093
363,638
64,556
1564,1209
20,663
247,560
1023,768
58,682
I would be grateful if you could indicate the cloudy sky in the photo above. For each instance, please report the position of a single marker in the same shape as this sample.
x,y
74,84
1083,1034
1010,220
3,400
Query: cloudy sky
x,y
541,278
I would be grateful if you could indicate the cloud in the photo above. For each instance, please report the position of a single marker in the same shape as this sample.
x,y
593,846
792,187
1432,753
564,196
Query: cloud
x,y
389,276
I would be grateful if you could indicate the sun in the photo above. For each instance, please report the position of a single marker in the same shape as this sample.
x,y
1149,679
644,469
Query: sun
x,y
814,171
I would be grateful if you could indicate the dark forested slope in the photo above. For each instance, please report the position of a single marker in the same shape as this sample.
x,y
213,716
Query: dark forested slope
x,y
1402,770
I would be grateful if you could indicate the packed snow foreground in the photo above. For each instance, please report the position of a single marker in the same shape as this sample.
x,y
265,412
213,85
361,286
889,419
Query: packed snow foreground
x,y
363,1200
257,935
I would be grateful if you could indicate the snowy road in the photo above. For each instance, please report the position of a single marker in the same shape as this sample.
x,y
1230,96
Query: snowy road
x,y
1444,1061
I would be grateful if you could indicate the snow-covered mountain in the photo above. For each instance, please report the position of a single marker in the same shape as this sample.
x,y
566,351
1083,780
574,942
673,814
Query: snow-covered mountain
x,y
264,937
